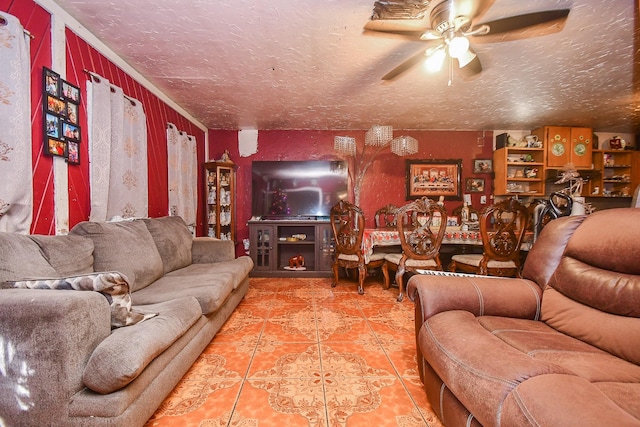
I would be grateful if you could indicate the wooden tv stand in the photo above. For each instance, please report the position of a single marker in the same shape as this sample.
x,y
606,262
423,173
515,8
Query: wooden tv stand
x,y
272,244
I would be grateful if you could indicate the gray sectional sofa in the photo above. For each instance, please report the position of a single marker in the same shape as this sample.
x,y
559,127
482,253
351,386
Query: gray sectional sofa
x,y
64,358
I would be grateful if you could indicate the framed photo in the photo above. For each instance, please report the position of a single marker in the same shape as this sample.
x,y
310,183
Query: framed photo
x,y
70,132
72,112
56,106
474,185
55,147
482,166
51,82
433,178
73,153
52,125
70,91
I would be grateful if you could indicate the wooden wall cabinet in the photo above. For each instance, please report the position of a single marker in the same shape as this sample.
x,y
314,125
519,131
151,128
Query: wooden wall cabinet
x,y
519,171
566,145
220,198
272,243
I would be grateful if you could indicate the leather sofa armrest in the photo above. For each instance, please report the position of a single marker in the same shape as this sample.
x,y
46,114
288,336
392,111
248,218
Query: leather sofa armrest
x,y
482,296
208,250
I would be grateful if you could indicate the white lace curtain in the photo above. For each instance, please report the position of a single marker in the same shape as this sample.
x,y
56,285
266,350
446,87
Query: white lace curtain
x,y
182,174
117,153
16,188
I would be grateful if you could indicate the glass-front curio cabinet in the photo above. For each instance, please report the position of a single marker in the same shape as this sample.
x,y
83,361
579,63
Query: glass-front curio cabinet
x,y
220,211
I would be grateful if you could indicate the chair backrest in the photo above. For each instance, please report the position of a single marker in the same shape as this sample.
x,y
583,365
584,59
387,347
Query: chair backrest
x,y
385,217
422,236
502,227
347,222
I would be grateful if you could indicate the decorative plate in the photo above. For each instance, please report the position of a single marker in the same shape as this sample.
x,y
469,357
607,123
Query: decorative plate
x,y
557,149
580,149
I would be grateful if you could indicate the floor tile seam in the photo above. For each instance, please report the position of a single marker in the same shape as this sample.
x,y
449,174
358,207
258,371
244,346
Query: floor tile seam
x,y
255,349
413,400
230,422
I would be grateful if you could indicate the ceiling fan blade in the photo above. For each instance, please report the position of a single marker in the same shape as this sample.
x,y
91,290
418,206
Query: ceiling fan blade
x,y
391,25
523,26
474,9
405,66
400,35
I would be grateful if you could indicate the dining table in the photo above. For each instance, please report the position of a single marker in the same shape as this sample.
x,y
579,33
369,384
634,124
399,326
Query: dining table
x,y
453,235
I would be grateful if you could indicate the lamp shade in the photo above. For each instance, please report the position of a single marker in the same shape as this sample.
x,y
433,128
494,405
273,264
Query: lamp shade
x,y
378,135
345,145
404,146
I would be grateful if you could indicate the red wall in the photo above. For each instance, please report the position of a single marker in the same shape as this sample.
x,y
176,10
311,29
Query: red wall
x,y
385,180
80,56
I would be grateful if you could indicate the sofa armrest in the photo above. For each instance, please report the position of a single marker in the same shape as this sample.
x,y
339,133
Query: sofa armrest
x,y
47,337
207,250
483,295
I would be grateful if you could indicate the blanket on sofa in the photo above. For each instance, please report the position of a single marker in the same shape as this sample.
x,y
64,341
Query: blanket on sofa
x,y
112,284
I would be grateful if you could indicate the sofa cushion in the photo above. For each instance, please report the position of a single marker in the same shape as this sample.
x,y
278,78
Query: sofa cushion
x,y
541,342
211,290
173,240
563,400
122,356
238,268
591,325
126,247
22,259
68,255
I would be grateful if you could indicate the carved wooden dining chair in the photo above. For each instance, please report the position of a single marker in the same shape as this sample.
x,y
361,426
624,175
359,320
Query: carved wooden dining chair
x,y
420,239
347,222
502,227
385,217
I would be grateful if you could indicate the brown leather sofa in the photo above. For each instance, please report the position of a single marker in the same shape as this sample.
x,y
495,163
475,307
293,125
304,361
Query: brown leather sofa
x,y
559,347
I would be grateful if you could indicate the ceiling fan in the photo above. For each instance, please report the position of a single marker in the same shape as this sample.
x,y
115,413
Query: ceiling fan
x,y
448,27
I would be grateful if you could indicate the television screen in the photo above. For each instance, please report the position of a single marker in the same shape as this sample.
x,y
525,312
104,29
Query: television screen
x,y
289,189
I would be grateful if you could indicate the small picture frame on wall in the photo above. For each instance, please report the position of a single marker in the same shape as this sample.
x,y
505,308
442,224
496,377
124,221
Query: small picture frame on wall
x,y
56,147
482,166
474,185
52,125
51,82
70,131
70,92
55,105
72,112
73,153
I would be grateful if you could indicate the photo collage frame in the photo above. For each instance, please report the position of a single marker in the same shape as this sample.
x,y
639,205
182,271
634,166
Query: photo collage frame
x,y
61,104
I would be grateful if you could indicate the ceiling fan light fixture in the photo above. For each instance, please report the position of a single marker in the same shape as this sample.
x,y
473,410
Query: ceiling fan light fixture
x,y
458,47
466,58
435,60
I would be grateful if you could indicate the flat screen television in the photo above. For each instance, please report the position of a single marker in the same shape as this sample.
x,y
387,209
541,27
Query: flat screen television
x,y
289,189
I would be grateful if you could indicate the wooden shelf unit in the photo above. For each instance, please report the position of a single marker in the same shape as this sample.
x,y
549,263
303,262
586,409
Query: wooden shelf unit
x,y
519,171
615,173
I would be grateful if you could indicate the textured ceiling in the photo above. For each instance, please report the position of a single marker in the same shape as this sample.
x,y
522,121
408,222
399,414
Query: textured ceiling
x,y
305,64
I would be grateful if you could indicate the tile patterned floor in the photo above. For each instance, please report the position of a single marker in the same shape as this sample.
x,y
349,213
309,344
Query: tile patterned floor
x,y
297,352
